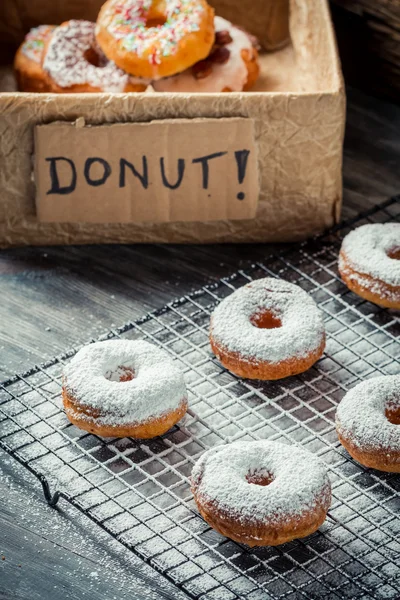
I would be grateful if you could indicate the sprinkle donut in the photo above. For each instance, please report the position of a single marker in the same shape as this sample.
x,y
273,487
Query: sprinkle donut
x,y
261,493
155,38
232,65
268,329
368,423
369,263
28,60
74,63
121,388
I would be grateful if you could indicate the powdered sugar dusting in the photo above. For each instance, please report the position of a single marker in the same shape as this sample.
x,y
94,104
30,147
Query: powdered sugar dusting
x,y
156,388
361,417
233,74
35,40
366,250
65,60
301,333
300,480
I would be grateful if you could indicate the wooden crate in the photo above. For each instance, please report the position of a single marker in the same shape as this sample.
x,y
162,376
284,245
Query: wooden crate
x,y
298,110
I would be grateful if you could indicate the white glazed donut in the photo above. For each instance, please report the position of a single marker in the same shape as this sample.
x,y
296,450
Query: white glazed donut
x,y
239,71
69,68
124,388
369,263
268,329
34,43
261,493
368,423
28,60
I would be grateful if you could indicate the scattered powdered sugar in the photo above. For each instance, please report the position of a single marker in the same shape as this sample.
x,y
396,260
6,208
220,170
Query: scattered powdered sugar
x,y
300,480
361,418
302,330
366,251
127,21
157,386
65,60
35,40
232,74
71,545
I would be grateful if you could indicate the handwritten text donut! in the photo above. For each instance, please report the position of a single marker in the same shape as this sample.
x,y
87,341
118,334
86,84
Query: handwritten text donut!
x,y
162,171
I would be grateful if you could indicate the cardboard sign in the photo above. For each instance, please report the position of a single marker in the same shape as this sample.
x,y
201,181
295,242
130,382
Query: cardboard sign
x,y
169,170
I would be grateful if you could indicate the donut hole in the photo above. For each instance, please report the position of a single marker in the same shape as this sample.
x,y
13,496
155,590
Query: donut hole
x,y
265,320
155,16
393,414
92,57
394,253
156,21
259,478
120,374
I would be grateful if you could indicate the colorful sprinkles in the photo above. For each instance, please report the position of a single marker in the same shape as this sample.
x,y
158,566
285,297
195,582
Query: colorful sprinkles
x,y
66,64
35,40
128,23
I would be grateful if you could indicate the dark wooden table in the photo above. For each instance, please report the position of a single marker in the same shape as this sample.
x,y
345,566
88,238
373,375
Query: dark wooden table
x,y
55,298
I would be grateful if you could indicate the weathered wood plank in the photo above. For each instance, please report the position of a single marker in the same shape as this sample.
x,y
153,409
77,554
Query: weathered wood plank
x,y
60,555
368,33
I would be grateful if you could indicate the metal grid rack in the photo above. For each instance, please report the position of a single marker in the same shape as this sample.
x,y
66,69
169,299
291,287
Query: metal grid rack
x,y
138,491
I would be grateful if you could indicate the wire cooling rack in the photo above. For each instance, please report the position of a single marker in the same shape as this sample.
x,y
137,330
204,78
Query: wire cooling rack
x,y
139,491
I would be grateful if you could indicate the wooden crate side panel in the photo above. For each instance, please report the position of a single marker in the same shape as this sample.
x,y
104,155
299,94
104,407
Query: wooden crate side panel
x,y
300,139
300,152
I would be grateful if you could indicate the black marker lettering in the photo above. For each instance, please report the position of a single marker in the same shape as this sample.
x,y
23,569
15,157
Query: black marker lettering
x,y
143,177
204,164
181,170
241,161
106,173
56,188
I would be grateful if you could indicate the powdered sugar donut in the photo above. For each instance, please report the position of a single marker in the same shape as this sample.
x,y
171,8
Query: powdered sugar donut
x,y
28,60
267,329
369,263
232,65
74,63
367,423
124,388
155,38
261,493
